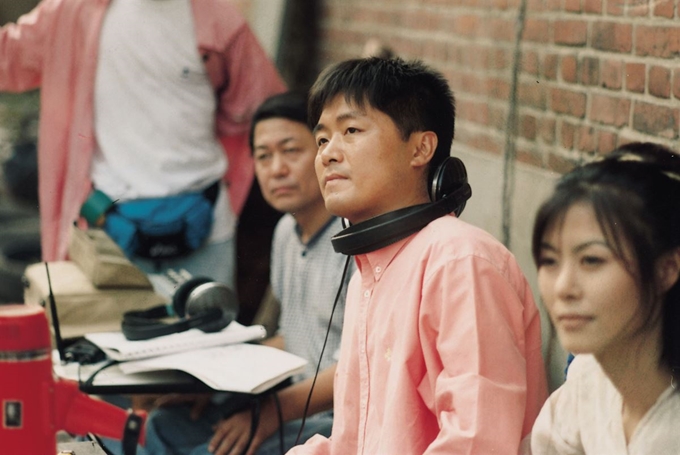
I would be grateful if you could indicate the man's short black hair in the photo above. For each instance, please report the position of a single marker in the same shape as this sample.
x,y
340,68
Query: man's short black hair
x,y
289,105
414,96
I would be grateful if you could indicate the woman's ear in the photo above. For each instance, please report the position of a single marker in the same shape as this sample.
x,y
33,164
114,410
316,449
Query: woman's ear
x,y
668,270
425,144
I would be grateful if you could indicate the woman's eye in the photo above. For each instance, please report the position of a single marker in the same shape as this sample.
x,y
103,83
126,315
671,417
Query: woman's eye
x,y
352,130
321,141
592,260
546,261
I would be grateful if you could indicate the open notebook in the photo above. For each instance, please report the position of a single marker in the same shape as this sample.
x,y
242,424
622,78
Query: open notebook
x,y
221,360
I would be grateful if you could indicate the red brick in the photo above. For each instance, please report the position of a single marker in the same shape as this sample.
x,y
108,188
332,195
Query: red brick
x,y
569,67
553,5
571,33
550,67
612,74
559,163
532,95
587,139
568,102
535,6
498,88
572,6
664,8
466,25
434,50
499,29
529,156
615,7
498,117
656,41
536,30
527,127
593,6
676,84
530,63
475,112
606,142
590,71
567,132
655,120
546,130
609,110
485,143
635,77
637,8
612,37
660,81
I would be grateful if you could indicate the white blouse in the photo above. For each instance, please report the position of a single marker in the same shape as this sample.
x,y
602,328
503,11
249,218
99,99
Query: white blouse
x,y
583,416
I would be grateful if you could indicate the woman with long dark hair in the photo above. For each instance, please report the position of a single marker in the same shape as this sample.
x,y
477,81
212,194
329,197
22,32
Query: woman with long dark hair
x,y
607,248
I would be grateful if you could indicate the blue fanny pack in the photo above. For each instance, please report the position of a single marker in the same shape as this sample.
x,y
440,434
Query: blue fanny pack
x,y
162,228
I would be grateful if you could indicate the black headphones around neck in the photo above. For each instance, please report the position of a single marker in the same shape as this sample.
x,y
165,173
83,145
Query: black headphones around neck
x,y
199,303
449,191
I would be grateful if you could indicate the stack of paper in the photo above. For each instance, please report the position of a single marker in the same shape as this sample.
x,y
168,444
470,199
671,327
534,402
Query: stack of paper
x,y
222,360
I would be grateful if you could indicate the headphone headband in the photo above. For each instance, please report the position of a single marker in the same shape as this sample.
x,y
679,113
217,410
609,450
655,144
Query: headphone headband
x,y
449,190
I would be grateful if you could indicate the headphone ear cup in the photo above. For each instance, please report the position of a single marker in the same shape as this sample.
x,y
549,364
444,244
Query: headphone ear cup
x,y
214,303
449,177
179,298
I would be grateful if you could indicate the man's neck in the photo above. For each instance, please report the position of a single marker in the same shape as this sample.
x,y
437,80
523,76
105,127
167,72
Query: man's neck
x,y
311,220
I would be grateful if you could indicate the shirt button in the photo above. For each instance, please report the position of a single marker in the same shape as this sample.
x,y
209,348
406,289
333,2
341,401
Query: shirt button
x,y
367,294
378,269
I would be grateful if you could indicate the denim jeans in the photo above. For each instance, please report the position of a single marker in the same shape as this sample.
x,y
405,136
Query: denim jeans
x,y
170,431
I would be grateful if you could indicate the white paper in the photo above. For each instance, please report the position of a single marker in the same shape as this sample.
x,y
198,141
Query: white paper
x,y
246,368
117,347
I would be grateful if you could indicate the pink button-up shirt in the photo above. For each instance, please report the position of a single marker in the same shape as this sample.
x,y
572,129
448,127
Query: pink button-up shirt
x,y
441,350
55,47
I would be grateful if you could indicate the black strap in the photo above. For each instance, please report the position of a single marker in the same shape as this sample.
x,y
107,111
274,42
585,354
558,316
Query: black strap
x,y
133,428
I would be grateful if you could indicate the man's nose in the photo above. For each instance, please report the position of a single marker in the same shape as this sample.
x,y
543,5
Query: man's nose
x,y
331,151
279,164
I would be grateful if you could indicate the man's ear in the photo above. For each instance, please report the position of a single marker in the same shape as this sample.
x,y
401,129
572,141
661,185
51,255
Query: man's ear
x,y
668,270
425,143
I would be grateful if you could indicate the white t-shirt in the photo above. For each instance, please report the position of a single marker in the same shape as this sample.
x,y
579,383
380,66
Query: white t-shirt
x,y
155,108
583,416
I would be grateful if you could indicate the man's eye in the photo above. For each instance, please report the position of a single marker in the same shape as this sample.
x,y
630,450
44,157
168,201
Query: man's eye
x,y
352,130
321,141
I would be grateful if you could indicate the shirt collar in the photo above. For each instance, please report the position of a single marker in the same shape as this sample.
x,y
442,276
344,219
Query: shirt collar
x,y
377,261
314,238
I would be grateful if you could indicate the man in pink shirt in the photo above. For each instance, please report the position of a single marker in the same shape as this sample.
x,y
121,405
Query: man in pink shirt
x,y
140,99
441,348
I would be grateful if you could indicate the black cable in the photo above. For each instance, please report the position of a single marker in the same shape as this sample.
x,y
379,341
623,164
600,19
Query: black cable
x,y
254,422
90,380
279,413
95,438
323,348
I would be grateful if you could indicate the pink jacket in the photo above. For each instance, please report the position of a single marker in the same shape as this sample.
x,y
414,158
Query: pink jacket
x,y
55,47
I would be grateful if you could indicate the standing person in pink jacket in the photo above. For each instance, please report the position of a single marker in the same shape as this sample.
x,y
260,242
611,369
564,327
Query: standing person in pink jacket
x,y
140,100
441,345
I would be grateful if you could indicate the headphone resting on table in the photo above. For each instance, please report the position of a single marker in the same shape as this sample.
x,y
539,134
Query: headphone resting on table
x,y
200,303
449,191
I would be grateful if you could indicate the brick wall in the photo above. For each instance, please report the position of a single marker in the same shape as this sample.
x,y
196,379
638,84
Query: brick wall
x,y
577,77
